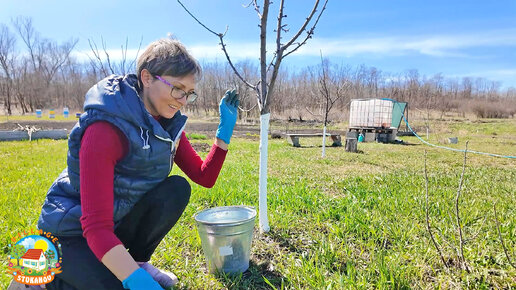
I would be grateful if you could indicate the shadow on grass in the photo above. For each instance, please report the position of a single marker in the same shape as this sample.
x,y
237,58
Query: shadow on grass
x,y
258,276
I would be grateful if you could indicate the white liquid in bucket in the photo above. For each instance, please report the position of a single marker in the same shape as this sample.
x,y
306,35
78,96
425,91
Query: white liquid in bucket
x,y
226,235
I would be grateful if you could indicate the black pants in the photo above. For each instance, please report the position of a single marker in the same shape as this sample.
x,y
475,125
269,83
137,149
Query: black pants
x,y
140,231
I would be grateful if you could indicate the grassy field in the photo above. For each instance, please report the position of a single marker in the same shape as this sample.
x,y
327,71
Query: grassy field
x,y
344,221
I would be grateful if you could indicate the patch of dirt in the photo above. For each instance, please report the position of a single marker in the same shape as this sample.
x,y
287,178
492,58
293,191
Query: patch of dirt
x,y
201,147
40,124
205,128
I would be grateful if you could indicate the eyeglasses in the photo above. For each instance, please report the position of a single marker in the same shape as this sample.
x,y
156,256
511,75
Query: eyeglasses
x,y
190,96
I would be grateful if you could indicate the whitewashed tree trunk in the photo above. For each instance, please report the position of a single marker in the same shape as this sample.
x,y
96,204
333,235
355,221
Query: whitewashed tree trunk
x,y
264,144
265,86
324,142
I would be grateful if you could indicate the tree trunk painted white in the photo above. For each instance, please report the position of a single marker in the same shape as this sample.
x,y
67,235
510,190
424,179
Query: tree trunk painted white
x,y
264,142
324,142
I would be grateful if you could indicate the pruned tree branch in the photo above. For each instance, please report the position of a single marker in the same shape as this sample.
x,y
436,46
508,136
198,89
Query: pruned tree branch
x,y
436,245
501,238
29,129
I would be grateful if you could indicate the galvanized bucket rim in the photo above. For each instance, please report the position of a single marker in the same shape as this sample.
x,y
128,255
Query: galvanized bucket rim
x,y
251,209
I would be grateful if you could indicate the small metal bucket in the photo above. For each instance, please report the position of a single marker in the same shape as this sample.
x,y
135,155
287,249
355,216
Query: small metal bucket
x,y
226,234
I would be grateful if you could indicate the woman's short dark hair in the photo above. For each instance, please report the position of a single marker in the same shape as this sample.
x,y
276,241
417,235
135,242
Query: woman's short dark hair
x,y
168,57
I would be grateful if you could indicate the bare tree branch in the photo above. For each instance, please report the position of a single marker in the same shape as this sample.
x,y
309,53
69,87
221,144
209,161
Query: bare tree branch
x,y
7,45
309,33
462,260
316,115
474,236
221,37
501,238
195,18
442,235
255,6
124,56
95,50
247,110
137,53
28,35
107,55
436,245
303,27
280,50
8,57
59,56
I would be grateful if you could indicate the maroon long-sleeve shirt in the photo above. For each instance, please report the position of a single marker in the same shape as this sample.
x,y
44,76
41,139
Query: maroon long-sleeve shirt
x,y
102,146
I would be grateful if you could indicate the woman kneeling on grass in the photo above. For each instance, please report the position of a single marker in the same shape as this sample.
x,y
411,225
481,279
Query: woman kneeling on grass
x,y
115,201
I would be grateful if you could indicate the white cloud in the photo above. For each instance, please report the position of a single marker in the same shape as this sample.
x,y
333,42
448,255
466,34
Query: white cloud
x,y
438,45
442,45
432,45
28,243
502,73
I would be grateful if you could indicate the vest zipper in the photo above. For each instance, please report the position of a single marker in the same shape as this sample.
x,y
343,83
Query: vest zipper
x,y
173,145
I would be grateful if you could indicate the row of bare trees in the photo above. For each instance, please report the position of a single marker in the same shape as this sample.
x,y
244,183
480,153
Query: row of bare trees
x,y
43,74
36,72
316,90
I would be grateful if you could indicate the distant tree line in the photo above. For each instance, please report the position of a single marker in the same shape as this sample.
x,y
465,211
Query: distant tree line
x,y
37,72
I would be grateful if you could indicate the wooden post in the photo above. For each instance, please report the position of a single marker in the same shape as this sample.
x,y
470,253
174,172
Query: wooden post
x,y
351,145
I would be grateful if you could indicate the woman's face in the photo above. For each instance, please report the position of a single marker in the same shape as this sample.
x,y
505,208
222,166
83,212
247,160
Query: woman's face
x,y
160,99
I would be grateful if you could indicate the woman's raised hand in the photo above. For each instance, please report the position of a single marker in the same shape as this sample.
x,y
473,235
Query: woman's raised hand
x,y
228,110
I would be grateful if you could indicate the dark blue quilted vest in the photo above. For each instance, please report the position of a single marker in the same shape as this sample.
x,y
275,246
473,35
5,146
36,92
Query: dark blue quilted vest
x,y
149,160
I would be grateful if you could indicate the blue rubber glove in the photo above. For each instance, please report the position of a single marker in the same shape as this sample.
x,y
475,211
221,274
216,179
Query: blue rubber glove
x,y
141,280
228,109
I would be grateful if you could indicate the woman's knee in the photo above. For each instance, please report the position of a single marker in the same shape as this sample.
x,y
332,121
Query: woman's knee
x,y
174,191
181,188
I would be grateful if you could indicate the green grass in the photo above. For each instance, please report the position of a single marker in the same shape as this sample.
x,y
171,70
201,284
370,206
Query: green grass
x,y
345,221
194,136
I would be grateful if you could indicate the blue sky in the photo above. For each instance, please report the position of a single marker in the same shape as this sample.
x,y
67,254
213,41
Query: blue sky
x,y
455,38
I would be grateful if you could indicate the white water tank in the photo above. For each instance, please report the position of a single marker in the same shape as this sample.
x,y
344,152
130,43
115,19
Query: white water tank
x,y
370,113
